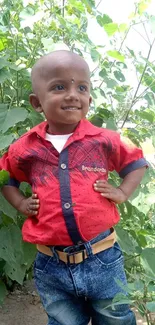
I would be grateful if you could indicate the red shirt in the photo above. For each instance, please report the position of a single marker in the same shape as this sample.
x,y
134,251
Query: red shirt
x,y
70,210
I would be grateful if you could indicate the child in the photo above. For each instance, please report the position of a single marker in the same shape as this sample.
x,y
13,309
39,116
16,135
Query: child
x,y
72,211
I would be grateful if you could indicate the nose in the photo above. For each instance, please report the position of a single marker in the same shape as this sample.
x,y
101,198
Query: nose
x,y
72,95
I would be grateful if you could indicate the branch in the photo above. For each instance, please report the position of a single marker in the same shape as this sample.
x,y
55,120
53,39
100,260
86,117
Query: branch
x,y
140,81
141,35
98,4
63,15
17,74
146,33
2,94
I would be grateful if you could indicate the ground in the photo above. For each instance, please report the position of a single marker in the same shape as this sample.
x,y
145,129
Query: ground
x,y
23,307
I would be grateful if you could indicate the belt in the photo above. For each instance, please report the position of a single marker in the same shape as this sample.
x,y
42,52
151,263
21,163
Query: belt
x,y
75,257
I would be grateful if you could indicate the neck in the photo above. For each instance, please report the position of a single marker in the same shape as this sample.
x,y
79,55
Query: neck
x,y
61,129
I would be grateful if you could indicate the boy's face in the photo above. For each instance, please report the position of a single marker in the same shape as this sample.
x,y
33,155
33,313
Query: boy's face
x,y
64,93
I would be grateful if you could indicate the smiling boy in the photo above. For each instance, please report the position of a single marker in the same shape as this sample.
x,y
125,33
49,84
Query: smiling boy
x,y
73,209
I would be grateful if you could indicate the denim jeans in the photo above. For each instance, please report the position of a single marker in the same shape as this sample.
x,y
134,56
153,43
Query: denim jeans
x,y
72,294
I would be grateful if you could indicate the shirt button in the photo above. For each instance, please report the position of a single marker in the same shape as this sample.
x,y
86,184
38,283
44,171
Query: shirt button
x,y
67,205
63,166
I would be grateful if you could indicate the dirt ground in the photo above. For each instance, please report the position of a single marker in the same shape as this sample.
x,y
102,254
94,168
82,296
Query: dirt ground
x,y
23,307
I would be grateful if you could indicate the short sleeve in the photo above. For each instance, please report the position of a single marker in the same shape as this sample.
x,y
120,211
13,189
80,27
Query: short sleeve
x,y
7,162
125,157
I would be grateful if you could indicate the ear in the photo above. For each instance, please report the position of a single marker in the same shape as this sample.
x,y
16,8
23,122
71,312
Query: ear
x,y
34,101
90,100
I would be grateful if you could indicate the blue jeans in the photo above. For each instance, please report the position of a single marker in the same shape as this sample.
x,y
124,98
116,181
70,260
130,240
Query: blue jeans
x,y
73,294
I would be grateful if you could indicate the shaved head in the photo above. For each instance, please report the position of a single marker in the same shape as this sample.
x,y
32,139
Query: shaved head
x,y
51,61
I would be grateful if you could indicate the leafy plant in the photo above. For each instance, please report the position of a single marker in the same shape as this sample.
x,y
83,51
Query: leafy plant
x,y
28,29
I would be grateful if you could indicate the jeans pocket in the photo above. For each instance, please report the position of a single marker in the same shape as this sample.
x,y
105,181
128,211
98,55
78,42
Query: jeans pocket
x,y
41,262
110,257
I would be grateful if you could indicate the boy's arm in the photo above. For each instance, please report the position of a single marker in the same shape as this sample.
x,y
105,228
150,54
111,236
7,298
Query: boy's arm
x,y
123,192
28,206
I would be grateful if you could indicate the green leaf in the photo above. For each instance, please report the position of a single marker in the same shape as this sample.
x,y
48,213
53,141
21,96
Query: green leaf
x,y
4,177
29,253
4,75
35,118
111,83
111,28
18,255
116,55
26,13
48,43
6,140
78,5
11,252
131,52
122,299
3,291
94,55
150,81
15,271
7,208
10,244
103,20
148,258
142,6
9,118
103,73
151,306
119,76
111,125
3,63
123,27
146,115
126,242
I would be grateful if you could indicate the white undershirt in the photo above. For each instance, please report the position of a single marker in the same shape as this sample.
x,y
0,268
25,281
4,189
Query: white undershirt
x,y
58,141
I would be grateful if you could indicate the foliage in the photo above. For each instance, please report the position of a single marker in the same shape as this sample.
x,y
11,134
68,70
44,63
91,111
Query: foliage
x,y
28,29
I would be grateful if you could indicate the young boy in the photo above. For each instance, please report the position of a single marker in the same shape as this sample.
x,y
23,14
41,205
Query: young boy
x,y
72,211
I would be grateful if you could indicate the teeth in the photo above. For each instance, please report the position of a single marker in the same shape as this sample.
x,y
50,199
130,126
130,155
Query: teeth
x,y
70,108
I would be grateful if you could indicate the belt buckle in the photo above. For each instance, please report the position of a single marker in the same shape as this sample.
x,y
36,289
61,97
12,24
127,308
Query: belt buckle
x,y
73,254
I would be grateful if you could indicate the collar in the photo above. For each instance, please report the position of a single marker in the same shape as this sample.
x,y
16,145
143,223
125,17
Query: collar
x,y
84,128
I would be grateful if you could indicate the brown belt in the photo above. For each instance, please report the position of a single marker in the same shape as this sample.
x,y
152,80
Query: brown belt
x,y
78,257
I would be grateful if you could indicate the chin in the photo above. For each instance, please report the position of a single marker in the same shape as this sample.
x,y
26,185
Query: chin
x,y
72,120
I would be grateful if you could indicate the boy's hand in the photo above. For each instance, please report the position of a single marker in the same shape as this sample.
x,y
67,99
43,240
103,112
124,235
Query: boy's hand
x,y
108,191
29,206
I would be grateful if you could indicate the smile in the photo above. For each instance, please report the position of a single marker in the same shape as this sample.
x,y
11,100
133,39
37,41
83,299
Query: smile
x,y
71,108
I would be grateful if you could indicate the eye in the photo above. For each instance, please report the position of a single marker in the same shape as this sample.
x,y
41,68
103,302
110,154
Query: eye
x,y
82,88
58,87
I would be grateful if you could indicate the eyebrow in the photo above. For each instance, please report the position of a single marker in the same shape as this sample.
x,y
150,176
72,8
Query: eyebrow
x,y
55,80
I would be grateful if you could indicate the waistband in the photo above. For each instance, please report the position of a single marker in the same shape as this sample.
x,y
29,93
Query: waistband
x,y
81,245
77,254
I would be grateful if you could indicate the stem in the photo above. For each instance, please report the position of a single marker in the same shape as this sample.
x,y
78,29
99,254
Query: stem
x,y
17,75
146,33
63,15
139,84
2,95
147,319
98,4
12,99
141,36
